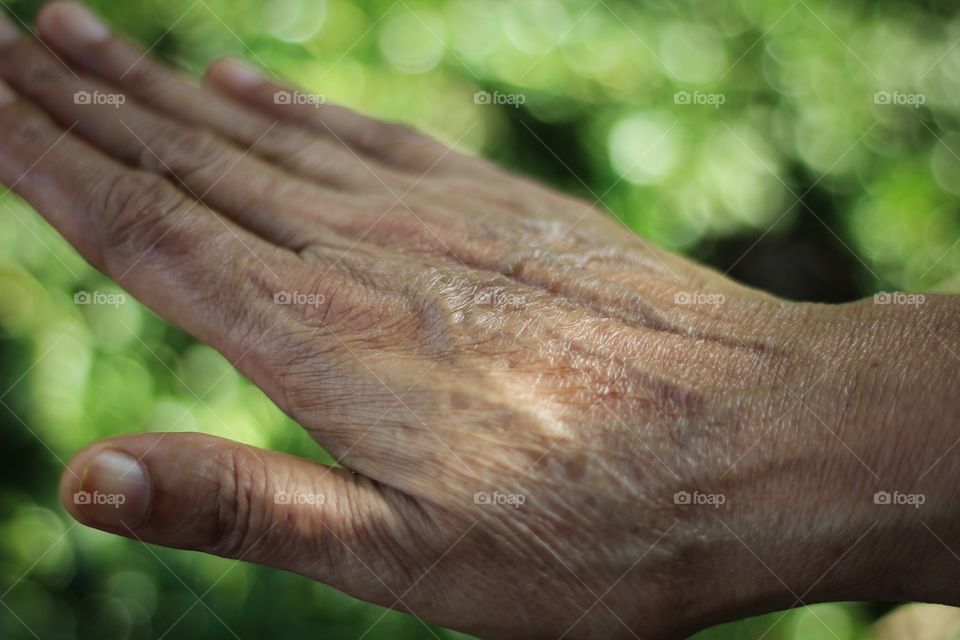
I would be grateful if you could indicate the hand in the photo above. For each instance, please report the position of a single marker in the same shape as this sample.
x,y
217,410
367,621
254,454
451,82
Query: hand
x,y
547,426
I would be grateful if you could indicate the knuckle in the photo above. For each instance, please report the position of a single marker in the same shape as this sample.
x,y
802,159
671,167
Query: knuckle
x,y
349,296
285,141
147,80
243,504
32,131
136,211
424,230
48,76
246,324
326,157
287,134
183,150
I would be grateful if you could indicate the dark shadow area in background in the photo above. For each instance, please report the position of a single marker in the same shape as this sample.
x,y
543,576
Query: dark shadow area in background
x,y
798,258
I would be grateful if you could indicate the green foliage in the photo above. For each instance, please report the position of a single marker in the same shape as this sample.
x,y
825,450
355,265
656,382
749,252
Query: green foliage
x,y
695,123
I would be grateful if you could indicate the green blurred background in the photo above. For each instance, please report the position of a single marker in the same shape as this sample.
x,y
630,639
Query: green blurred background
x,y
807,147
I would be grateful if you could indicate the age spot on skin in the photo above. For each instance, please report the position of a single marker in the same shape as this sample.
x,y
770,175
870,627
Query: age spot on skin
x,y
576,466
460,400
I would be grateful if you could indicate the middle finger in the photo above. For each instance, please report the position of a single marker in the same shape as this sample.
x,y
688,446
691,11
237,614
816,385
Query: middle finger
x,y
87,43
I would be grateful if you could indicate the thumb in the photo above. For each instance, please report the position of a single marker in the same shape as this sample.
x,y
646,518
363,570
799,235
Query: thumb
x,y
193,491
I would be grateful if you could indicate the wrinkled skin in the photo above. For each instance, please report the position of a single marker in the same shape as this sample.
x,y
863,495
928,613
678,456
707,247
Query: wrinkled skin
x,y
454,329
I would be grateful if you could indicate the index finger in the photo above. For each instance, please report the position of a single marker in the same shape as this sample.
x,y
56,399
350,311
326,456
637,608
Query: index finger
x,y
196,269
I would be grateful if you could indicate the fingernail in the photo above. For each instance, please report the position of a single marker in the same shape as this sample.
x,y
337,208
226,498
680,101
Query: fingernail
x,y
113,491
80,25
6,94
238,74
8,32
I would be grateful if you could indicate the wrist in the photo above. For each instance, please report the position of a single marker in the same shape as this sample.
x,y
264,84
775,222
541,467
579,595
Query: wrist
x,y
867,407
911,412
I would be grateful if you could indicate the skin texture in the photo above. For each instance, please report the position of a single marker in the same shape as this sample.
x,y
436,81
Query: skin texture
x,y
516,387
